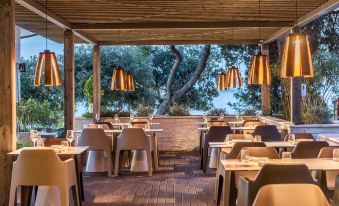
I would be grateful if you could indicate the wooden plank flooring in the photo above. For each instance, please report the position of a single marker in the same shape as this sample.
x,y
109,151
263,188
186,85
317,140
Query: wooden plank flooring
x,y
179,182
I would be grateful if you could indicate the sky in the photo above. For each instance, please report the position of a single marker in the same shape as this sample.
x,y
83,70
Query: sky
x,y
32,46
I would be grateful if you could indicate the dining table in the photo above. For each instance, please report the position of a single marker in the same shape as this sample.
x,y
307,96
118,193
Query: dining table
x,y
226,178
77,153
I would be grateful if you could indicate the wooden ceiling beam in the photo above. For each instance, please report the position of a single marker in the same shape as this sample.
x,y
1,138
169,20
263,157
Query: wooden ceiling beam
x,y
179,25
55,19
177,42
325,8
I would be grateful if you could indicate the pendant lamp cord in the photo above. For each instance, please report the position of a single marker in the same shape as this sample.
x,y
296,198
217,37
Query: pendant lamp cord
x,y
296,12
259,12
46,22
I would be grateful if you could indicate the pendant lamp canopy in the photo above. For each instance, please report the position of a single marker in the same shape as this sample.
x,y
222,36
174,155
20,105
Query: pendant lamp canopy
x,y
233,78
259,72
129,81
297,58
47,62
119,80
221,81
47,66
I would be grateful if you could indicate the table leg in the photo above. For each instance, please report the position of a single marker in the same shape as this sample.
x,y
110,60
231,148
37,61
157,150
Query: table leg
x,y
26,195
200,142
227,184
155,152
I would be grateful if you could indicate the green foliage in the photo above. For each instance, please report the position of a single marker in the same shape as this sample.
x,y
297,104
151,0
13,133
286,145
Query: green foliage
x,y
88,90
216,111
144,111
110,113
20,144
33,113
178,110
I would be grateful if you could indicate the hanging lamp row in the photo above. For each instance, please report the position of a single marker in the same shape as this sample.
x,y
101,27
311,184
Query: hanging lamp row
x,y
230,79
122,81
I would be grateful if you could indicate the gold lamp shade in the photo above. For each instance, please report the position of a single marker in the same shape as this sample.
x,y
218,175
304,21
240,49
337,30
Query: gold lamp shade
x,y
221,81
47,62
118,80
297,58
233,78
129,81
259,72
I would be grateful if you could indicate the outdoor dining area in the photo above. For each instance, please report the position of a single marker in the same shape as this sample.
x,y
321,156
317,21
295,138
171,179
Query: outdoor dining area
x,y
173,154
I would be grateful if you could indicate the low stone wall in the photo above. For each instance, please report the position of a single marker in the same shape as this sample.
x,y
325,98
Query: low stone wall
x,y
180,133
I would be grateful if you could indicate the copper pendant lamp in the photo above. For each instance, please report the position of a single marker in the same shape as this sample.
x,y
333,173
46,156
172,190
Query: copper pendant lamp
x,y
47,66
129,81
233,78
221,81
119,80
297,58
259,72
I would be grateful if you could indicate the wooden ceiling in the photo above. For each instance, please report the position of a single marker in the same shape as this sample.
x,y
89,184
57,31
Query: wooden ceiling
x,y
136,22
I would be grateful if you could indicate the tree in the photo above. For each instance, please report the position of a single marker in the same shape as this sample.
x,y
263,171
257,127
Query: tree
x,y
174,96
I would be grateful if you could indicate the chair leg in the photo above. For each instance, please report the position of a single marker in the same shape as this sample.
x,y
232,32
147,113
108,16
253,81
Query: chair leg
x,y
64,196
75,195
220,183
109,163
149,162
116,162
26,195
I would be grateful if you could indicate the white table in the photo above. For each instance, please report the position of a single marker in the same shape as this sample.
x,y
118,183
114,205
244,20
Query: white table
x,y
228,166
278,144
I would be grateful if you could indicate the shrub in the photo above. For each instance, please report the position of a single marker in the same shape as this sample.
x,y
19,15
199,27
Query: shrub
x,y
216,111
178,110
144,111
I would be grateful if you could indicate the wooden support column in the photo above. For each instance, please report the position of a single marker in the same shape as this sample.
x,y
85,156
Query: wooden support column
x,y
296,100
69,97
265,90
7,95
96,81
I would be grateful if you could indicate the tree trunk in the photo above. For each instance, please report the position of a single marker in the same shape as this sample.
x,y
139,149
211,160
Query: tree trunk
x,y
171,96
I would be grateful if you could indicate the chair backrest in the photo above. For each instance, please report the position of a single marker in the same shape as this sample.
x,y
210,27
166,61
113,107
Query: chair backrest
x,y
53,141
269,152
268,133
38,166
291,195
106,125
95,138
217,133
308,149
249,123
326,152
211,123
133,138
235,151
139,124
241,136
301,136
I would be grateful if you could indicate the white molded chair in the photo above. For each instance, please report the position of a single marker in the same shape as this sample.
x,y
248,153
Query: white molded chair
x,y
291,195
99,143
43,167
133,139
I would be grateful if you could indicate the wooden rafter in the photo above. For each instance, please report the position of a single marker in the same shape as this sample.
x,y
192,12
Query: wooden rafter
x,y
314,14
55,19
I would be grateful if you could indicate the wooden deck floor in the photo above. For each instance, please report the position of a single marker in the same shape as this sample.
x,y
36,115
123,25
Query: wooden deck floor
x,y
179,182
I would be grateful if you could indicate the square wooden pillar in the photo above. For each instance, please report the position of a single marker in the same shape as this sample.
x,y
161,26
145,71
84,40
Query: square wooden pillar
x,y
296,100
96,81
7,95
265,90
69,97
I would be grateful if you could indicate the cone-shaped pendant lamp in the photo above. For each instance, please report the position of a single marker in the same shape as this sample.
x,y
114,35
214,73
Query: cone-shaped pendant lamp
x,y
129,81
47,66
118,80
297,58
233,78
259,72
221,81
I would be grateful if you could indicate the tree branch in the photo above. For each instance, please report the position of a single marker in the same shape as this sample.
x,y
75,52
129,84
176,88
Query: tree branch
x,y
196,75
178,60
